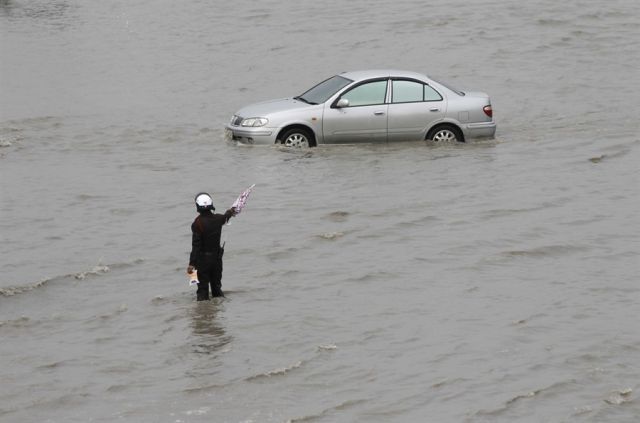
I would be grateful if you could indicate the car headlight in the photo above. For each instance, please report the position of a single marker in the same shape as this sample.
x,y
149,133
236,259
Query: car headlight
x,y
254,121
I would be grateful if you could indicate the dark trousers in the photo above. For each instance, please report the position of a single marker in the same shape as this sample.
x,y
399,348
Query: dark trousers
x,y
210,273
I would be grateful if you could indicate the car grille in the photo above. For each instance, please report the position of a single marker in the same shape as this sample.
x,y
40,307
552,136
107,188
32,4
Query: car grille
x,y
236,120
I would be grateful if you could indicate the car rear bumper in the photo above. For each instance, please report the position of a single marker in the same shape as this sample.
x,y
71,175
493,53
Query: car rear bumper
x,y
250,135
479,130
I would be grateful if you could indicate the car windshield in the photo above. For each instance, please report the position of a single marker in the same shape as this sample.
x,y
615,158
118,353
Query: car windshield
x,y
324,90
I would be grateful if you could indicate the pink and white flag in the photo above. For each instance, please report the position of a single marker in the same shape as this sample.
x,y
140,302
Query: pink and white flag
x,y
242,199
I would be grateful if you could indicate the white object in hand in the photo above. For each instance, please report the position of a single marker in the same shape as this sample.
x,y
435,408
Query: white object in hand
x,y
193,278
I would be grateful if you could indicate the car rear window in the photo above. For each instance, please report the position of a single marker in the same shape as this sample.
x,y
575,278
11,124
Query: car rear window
x,y
449,87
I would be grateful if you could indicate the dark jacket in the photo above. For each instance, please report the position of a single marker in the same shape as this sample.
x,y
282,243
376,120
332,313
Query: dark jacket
x,y
206,230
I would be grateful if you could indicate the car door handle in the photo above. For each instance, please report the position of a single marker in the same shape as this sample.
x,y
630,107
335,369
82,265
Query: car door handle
x,y
434,109
378,113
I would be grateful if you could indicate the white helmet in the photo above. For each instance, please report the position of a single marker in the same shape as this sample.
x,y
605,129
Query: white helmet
x,y
204,202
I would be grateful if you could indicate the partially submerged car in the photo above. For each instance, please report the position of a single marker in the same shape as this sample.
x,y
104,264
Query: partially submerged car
x,y
367,106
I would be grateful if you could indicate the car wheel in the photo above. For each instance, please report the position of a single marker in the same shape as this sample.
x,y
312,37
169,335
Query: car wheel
x,y
297,137
445,133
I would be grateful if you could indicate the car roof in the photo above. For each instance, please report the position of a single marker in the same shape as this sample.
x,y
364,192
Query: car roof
x,y
360,75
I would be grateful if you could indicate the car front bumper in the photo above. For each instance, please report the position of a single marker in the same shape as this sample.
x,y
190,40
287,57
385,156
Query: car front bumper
x,y
479,130
250,135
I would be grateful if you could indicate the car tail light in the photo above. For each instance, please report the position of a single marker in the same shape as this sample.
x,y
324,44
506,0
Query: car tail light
x,y
488,110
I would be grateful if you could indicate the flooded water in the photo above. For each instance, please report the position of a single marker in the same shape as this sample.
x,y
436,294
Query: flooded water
x,y
483,282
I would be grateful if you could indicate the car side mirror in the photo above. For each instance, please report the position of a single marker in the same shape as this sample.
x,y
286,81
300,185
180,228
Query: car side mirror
x,y
343,102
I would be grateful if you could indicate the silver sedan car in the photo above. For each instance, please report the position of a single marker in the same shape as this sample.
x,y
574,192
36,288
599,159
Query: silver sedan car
x,y
367,106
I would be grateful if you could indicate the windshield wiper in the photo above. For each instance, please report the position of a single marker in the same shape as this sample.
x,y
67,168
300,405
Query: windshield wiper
x,y
303,99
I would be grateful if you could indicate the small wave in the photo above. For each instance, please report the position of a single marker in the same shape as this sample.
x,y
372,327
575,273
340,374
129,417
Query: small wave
x,y
117,388
331,235
20,322
298,153
444,144
619,397
523,396
338,216
545,251
122,309
198,412
615,152
52,365
277,372
446,382
281,254
205,388
498,213
15,290
159,299
320,415
420,222
367,277
97,270
525,321
551,22
526,396
328,347
581,411
10,136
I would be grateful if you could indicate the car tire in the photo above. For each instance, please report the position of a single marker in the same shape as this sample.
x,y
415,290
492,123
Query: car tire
x,y
297,138
445,133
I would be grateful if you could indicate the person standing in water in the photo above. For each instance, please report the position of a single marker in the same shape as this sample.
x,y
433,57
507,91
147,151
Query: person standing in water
x,y
206,252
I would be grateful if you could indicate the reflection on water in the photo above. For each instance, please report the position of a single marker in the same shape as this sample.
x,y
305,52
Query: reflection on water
x,y
209,334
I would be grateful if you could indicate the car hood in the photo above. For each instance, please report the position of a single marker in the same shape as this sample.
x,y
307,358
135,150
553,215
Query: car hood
x,y
265,108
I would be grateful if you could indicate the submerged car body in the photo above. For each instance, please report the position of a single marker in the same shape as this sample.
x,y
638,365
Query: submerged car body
x,y
367,106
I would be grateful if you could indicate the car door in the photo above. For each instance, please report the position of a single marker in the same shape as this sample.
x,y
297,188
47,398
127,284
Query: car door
x,y
414,107
364,119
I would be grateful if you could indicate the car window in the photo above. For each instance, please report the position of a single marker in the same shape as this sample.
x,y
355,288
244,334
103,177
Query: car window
x,y
367,94
407,91
430,94
413,91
